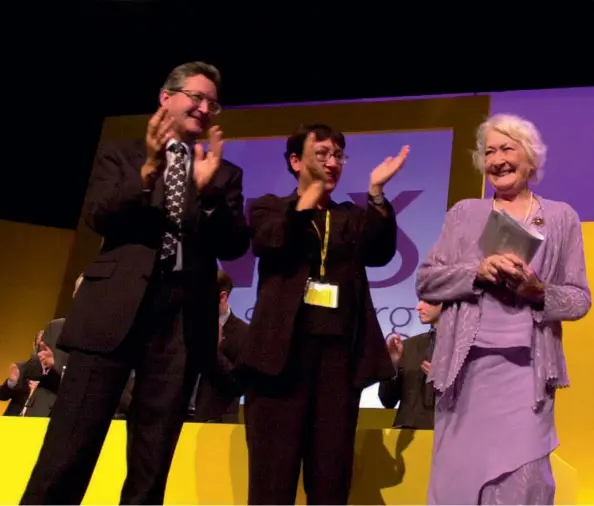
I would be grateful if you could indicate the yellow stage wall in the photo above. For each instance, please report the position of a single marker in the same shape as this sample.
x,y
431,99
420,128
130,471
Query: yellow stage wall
x,y
210,466
32,272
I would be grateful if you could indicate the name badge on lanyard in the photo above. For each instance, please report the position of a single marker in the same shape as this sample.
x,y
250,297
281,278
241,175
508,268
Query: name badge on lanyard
x,y
319,292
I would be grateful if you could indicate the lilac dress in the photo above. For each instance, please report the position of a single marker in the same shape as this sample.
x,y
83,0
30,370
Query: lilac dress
x,y
493,432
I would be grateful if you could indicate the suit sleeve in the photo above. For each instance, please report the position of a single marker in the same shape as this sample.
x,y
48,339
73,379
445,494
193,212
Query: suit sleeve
x,y
390,391
225,376
21,389
278,229
115,199
379,236
7,393
226,222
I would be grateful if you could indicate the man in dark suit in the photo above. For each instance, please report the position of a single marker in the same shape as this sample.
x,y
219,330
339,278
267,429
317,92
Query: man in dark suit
x,y
218,393
412,360
314,340
166,211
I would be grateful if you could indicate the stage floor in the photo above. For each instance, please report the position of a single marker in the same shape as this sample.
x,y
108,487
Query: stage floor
x,y
210,465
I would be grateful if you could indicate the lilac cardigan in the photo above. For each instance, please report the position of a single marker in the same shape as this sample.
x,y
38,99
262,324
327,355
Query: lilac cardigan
x,y
448,276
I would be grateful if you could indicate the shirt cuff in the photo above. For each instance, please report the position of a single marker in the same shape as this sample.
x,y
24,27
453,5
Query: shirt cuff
x,y
11,384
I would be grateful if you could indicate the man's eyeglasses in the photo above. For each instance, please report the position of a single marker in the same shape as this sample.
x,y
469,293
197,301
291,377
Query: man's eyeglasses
x,y
214,107
324,156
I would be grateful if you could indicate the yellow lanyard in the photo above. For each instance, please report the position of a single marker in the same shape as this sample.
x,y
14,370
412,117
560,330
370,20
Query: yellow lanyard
x,y
324,247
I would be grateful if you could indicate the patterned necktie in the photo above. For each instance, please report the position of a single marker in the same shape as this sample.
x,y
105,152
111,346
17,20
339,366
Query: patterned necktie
x,y
175,192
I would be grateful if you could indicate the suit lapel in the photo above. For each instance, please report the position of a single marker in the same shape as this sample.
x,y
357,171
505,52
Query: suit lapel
x,y
158,193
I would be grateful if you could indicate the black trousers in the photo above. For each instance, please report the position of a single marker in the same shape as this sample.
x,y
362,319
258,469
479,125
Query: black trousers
x,y
306,415
89,395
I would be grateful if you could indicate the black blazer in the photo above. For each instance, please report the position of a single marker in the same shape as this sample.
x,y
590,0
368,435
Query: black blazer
x,y
278,232
410,387
218,394
132,223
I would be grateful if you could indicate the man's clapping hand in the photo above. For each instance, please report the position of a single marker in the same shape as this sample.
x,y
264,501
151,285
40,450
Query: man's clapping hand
x,y
158,133
206,164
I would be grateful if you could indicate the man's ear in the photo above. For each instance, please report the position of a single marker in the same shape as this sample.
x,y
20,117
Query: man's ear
x,y
164,98
295,163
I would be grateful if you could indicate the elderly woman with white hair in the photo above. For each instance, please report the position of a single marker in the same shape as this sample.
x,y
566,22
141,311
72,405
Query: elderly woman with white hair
x,y
499,358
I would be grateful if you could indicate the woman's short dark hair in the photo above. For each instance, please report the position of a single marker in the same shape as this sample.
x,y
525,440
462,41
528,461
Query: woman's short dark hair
x,y
296,142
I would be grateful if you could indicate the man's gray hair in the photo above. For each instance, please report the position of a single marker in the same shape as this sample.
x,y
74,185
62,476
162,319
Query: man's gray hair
x,y
176,79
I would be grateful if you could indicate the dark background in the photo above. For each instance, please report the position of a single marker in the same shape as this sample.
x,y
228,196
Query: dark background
x,y
67,70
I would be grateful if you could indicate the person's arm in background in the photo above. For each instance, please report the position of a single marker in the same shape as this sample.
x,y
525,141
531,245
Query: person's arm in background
x,y
390,391
15,384
52,374
225,376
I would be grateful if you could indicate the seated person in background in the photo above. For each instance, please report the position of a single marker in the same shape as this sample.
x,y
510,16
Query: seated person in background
x,y
32,385
43,371
49,360
412,359
16,390
217,394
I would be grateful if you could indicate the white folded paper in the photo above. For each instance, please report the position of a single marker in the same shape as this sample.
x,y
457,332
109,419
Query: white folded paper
x,y
504,234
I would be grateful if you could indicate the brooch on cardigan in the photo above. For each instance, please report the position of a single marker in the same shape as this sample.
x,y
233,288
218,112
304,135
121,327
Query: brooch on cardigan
x,y
539,222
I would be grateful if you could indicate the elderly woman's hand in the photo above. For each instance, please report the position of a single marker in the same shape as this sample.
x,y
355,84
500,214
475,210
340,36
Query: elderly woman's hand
x,y
497,268
526,285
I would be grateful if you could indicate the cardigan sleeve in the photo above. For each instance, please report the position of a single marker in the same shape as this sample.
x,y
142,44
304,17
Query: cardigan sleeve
x,y
567,297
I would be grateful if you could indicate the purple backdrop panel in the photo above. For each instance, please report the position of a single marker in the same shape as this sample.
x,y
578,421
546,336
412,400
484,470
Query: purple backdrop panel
x,y
418,193
565,118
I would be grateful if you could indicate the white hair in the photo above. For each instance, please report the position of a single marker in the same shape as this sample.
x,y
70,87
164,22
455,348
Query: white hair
x,y
518,129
